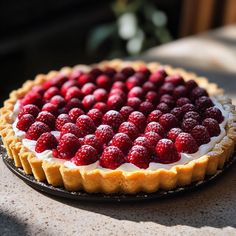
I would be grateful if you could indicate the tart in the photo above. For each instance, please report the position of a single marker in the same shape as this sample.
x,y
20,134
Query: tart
x,y
119,126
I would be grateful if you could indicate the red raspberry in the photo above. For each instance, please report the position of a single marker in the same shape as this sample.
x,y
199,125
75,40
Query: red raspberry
x,y
192,114
139,156
190,85
182,101
86,155
29,109
136,92
36,129
100,95
130,129
166,88
152,97
177,112
167,99
215,113
200,134
25,122
189,124
73,103
58,81
134,102
188,107
104,133
119,85
122,141
67,85
166,151
203,103
168,121
115,102
197,92
74,113
85,124
50,108
148,86
68,146
103,81
163,107
109,71
84,78
138,119
58,101
71,128
75,74
73,92
127,71
118,92
52,91
32,98
119,77
126,111
38,89
173,133
155,127
154,116
95,72
88,101
46,141
153,138
145,71
140,77
157,78
113,118
132,82
88,88
95,115
180,91
143,141
92,140
175,80
61,120
112,157
101,106
146,107
186,143
47,118
212,126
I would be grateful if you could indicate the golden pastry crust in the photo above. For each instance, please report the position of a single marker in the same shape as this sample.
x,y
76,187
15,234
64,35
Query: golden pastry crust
x,y
112,181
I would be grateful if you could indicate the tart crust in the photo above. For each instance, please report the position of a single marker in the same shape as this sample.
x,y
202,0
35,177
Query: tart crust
x,y
113,181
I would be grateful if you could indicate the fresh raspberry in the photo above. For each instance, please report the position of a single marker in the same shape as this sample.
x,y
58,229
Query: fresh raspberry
x,y
168,121
38,89
73,92
122,141
189,124
125,111
175,80
190,85
146,107
67,85
163,107
73,103
139,156
152,97
118,92
119,77
157,78
173,133
138,119
166,88
127,71
75,74
215,113
71,128
166,151
145,71
152,138
202,103
29,109
182,101
134,102
198,92
58,101
186,143
177,112
180,91
25,122
36,129
68,146
47,118
112,157
212,126
104,133
109,71
92,140
188,107
95,115
155,127
100,95
46,141
61,120
74,113
115,102
32,98
200,134
88,101
103,81
132,82
154,116
52,91
101,106
95,72
149,86
192,114
130,129
143,141
85,155
88,88
84,78
136,92
167,99
119,85
113,118
50,108
85,124
57,81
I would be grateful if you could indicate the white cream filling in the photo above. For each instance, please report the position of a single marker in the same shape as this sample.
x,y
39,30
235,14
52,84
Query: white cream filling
x,y
185,158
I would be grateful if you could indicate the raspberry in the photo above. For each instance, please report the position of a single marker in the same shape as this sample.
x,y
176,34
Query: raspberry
x,y
100,95
190,85
139,156
84,78
73,103
110,72
115,102
138,119
32,98
85,155
145,71
203,103
47,118
132,82
61,120
73,92
95,72
29,109
113,118
197,92
118,92
182,101
85,124
188,107
25,122
88,88
57,81
146,107
112,157
215,113
119,85
136,92
88,101
130,129
101,106
192,114
134,102
67,85
103,81
177,112
58,101
36,129
52,91
168,121
143,141
38,89
50,108
166,88
71,128
155,127
154,116
180,91
74,113
95,115
173,133
152,97
163,107
168,99
166,151
200,134
46,141
75,74
119,77
126,111
122,141
104,133
92,140
152,138
68,146
189,124
186,143
127,71
157,78
148,86
212,126
175,80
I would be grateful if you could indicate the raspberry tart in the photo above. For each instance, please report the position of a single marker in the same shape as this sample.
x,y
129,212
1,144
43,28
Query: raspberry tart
x,y
119,127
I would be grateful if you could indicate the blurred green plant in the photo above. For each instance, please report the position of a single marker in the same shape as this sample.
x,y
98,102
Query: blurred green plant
x,y
138,25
